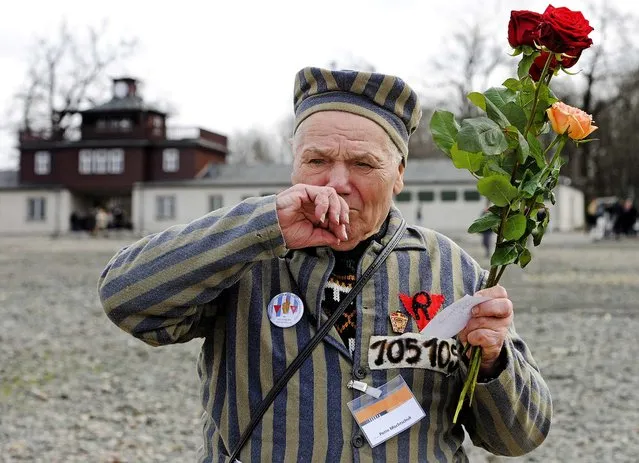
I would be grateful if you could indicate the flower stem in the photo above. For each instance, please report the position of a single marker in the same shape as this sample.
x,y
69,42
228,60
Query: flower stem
x,y
536,97
554,142
497,271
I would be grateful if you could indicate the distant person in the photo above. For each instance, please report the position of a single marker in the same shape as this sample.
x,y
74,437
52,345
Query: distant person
x,y
74,221
258,279
617,218
628,218
118,218
101,222
592,214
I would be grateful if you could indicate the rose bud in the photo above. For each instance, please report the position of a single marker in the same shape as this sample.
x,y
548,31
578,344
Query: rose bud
x,y
539,63
573,121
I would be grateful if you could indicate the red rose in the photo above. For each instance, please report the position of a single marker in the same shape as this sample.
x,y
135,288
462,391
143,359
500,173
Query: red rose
x,y
523,28
539,63
564,31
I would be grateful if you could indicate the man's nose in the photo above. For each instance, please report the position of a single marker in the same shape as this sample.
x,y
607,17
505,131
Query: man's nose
x,y
339,178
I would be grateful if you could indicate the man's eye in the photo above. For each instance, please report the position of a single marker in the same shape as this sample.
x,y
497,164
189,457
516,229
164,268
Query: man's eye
x,y
316,161
363,165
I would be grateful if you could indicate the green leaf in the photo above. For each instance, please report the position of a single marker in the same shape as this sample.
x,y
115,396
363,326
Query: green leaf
x,y
536,150
530,187
540,229
524,64
481,134
512,136
491,167
526,95
478,100
512,84
496,99
465,160
523,150
508,161
505,253
500,96
444,129
515,115
515,227
524,258
497,189
485,222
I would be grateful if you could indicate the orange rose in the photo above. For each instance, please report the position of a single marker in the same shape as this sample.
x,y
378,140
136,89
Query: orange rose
x,y
574,121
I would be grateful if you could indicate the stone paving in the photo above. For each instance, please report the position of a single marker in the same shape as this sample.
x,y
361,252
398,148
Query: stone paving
x,y
71,387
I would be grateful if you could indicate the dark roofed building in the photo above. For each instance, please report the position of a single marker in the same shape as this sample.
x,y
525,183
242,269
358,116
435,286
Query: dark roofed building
x,y
121,142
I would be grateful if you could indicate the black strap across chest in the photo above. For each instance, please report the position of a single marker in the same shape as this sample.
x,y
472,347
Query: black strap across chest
x,y
321,333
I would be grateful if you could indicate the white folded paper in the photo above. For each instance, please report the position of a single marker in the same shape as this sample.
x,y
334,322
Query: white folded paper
x,y
452,319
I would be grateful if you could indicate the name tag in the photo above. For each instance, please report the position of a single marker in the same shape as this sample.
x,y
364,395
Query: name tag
x,y
412,350
395,410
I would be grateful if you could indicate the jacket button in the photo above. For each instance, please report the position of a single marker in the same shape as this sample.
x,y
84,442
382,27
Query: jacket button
x,y
357,441
360,373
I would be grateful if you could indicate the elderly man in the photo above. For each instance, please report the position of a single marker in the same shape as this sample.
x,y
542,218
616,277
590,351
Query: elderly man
x,y
259,279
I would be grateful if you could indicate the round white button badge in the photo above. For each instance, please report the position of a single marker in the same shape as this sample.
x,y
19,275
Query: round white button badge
x,y
285,310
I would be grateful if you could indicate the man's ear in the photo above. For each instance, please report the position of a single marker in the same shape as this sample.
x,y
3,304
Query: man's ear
x,y
399,182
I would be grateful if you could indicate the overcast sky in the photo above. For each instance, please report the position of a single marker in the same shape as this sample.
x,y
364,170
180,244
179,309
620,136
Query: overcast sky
x,y
230,65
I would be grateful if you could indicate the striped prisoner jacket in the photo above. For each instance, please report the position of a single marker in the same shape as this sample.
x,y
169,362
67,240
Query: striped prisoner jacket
x,y
214,278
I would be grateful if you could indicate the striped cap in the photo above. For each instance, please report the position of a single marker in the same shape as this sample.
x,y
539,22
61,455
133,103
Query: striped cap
x,y
386,100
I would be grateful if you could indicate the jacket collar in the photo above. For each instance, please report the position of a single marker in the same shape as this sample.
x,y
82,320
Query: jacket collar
x,y
411,239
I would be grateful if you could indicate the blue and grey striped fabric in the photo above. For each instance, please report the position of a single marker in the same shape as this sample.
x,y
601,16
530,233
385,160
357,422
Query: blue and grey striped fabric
x,y
385,99
214,278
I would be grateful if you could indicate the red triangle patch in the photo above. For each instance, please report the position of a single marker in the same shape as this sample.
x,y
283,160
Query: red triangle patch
x,y
422,306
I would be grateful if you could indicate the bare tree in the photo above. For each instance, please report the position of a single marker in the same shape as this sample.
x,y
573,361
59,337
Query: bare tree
x,y
420,144
604,69
66,74
616,159
252,146
468,61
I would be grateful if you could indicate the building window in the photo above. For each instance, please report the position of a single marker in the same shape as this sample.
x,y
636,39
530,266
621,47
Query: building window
x,y
404,197
170,160
115,161
42,163
165,207
101,161
449,195
471,195
215,202
426,196
36,209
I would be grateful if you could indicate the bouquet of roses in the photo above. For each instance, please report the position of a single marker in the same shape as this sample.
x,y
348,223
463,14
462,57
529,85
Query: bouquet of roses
x,y
511,149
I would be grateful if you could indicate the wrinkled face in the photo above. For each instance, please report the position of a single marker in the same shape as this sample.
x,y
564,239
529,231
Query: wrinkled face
x,y
356,157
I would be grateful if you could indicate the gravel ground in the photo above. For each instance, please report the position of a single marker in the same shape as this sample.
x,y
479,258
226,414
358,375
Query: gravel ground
x,y
74,388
